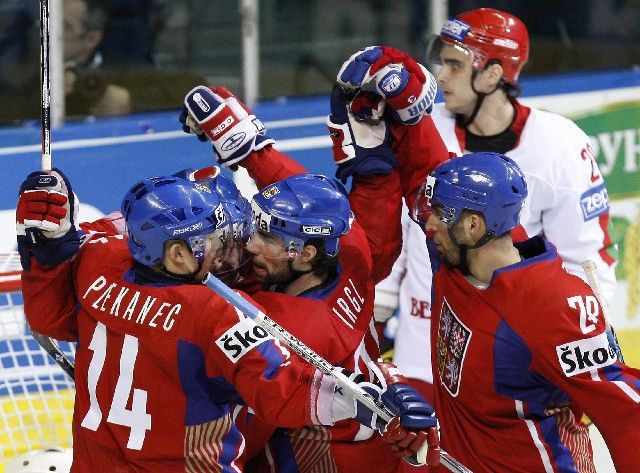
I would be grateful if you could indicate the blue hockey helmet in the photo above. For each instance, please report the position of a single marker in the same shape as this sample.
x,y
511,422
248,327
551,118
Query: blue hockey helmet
x,y
235,203
491,184
302,207
239,208
159,209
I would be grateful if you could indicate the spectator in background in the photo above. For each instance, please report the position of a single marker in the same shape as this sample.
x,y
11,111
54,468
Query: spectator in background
x,y
92,87
87,91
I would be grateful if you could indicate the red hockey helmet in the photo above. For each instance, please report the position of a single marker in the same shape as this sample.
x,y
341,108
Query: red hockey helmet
x,y
487,34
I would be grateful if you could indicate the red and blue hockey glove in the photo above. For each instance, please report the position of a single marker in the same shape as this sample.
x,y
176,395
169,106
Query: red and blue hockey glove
x,y
218,115
406,86
413,433
414,430
45,219
359,147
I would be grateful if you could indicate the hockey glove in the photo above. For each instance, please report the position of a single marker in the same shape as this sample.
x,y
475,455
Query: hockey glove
x,y
359,147
219,116
405,85
413,433
45,219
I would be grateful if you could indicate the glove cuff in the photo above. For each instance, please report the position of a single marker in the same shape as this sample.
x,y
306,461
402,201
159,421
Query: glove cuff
x,y
247,136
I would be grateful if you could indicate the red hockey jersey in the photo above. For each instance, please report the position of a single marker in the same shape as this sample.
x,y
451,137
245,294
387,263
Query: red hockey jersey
x,y
157,366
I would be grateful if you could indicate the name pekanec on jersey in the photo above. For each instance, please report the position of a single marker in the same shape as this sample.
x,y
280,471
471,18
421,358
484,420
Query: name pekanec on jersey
x,y
158,366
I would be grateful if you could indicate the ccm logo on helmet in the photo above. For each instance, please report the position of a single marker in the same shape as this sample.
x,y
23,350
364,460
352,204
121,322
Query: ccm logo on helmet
x,y
585,355
241,338
190,228
316,230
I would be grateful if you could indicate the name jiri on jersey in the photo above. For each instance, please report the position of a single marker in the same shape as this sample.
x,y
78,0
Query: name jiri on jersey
x,y
582,356
594,202
241,338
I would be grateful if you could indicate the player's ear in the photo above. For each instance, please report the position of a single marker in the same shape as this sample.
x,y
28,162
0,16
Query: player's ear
x,y
177,256
494,72
308,254
474,225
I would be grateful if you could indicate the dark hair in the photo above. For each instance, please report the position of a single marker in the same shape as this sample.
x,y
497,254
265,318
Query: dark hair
x,y
323,265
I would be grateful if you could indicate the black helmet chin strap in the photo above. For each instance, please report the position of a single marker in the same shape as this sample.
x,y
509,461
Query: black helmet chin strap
x,y
479,100
462,248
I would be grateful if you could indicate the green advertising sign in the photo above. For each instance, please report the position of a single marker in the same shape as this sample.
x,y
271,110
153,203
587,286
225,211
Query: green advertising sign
x,y
615,134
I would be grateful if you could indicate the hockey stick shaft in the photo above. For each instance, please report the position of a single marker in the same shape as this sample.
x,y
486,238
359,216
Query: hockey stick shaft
x,y
591,271
46,86
52,348
299,347
49,344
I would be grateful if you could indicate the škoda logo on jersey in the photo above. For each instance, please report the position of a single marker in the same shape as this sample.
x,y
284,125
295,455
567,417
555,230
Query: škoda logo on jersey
x,y
585,355
241,338
453,341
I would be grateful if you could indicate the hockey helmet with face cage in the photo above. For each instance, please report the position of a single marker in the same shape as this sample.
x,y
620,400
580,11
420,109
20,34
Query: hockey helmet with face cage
x,y
487,34
235,203
302,207
491,184
159,209
44,460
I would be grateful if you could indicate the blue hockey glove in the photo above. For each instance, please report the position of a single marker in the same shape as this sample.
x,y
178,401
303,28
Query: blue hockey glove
x,y
413,433
45,219
219,116
359,147
406,86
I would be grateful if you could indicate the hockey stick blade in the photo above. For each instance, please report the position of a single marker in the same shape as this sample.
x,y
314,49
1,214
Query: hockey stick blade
x,y
54,351
299,347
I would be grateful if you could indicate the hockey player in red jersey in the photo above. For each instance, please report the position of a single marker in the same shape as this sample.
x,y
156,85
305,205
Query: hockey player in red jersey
x,y
160,357
318,271
516,338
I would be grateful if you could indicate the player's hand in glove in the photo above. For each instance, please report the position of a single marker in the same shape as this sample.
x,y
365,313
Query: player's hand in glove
x,y
361,147
45,219
406,86
413,432
219,116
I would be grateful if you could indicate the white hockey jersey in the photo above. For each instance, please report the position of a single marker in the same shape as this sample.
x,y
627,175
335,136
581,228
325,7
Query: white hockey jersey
x,y
567,202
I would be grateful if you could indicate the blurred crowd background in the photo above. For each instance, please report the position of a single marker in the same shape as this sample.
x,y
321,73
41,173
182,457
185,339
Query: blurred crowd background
x,y
124,56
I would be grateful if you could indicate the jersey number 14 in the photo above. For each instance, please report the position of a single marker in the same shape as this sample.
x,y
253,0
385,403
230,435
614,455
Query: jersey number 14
x,y
136,418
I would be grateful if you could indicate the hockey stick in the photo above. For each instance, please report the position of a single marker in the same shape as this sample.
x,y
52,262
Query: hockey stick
x,y
591,271
280,333
49,344
52,348
45,115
